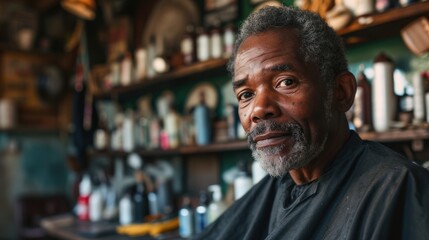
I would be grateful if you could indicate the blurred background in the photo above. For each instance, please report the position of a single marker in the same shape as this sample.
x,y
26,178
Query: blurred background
x,y
105,102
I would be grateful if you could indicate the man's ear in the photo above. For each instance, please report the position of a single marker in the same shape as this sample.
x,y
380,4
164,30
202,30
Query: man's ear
x,y
344,91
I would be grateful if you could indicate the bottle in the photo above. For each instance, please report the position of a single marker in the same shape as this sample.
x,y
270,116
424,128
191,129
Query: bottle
x,y
228,40
141,59
363,7
233,120
216,206
362,104
155,132
151,55
153,204
101,135
383,5
406,106
83,200
125,210
172,127
404,3
185,219
96,206
140,199
110,207
126,69
202,121
419,98
187,45
257,172
160,62
203,45
201,218
128,131
242,182
216,44
383,96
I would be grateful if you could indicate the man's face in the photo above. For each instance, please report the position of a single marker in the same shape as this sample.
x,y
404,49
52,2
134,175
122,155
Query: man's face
x,y
281,101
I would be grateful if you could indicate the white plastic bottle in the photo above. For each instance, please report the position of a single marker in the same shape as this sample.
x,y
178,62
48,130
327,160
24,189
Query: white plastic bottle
x,y
125,210
96,206
383,111
217,206
257,172
242,184
419,98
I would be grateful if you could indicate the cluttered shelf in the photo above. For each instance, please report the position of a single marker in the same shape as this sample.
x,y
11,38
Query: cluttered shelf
x,y
381,25
185,74
239,145
185,150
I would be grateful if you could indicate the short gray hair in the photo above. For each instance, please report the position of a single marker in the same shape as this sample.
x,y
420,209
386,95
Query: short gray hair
x,y
319,44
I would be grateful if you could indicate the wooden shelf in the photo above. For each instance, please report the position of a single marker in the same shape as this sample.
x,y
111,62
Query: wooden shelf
x,y
382,25
396,135
186,74
362,29
186,150
240,145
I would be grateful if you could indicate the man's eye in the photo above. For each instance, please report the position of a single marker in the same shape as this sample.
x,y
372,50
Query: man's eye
x,y
287,82
244,96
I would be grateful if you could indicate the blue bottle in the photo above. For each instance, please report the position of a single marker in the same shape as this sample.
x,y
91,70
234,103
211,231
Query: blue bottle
x,y
201,219
202,122
186,223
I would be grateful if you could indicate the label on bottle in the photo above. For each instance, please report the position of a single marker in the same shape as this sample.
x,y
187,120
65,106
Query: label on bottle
x,y
83,208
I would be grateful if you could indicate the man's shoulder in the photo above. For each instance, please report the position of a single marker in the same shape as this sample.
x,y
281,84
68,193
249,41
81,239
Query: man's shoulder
x,y
385,161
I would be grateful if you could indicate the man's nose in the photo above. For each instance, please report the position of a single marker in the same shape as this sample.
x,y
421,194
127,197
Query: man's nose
x,y
265,107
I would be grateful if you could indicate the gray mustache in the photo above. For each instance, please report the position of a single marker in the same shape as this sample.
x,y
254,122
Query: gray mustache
x,y
270,125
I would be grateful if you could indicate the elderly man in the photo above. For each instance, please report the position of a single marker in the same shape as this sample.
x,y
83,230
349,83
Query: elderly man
x,y
293,88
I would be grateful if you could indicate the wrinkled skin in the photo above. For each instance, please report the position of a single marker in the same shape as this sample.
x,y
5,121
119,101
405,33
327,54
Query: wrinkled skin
x,y
293,124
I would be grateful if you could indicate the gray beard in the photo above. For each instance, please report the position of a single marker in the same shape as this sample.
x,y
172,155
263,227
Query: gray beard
x,y
277,165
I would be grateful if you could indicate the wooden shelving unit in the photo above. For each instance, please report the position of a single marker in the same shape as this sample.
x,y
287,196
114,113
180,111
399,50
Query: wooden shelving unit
x,y
240,145
382,25
375,26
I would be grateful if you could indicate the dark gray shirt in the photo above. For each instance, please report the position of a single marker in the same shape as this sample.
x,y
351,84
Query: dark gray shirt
x,y
368,192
